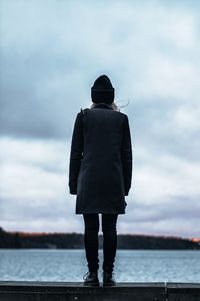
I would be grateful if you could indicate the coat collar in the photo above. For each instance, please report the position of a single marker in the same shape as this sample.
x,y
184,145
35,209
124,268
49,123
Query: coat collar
x,y
102,105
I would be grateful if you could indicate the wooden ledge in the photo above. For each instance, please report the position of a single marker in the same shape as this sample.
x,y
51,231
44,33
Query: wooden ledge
x,y
76,291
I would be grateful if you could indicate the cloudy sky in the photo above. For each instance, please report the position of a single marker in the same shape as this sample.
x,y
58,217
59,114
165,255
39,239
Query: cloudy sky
x,y
51,53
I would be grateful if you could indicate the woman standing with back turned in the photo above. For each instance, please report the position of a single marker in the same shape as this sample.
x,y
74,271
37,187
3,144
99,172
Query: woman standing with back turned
x,y
100,173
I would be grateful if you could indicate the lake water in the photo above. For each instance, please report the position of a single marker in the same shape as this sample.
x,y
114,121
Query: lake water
x,y
71,265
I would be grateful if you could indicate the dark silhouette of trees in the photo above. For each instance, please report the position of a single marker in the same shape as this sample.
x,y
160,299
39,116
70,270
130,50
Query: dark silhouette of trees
x,y
16,240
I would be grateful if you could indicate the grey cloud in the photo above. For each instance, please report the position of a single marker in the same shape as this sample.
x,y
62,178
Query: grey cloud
x,y
28,109
173,208
34,209
175,211
152,126
44,85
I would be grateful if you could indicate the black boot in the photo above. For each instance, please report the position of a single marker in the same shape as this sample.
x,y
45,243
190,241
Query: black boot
x,y
108,278
91,278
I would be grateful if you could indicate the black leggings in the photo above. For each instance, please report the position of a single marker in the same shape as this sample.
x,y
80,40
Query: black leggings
x,y
91,242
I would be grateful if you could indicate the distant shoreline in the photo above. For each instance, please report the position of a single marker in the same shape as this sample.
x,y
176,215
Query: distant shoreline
x,y
26,240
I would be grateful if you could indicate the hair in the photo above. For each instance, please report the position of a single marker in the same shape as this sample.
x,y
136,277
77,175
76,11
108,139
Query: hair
x,y
112,105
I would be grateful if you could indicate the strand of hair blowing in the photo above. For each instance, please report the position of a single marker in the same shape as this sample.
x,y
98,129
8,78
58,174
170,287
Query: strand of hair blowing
x,y
112,105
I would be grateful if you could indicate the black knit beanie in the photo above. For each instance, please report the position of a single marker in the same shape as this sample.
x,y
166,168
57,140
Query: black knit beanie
x,y
102,90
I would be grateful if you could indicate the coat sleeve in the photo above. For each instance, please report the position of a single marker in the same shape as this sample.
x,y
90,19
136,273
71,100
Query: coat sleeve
x,y
75,154
126,155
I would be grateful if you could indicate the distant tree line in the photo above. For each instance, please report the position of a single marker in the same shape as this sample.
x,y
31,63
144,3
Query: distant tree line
x,y
19,240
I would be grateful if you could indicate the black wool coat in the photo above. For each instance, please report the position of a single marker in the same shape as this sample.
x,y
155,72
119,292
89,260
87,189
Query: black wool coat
x,y
100,167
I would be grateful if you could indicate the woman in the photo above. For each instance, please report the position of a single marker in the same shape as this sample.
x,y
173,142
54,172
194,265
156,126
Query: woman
x,y
100,173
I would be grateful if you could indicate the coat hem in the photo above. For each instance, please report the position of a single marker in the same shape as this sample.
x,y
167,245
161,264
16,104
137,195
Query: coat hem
x,y
100,212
